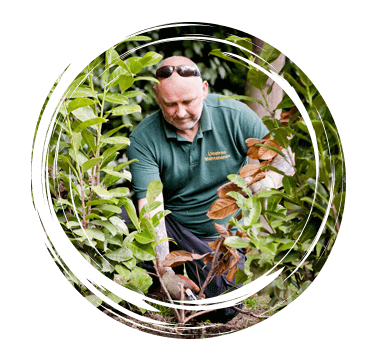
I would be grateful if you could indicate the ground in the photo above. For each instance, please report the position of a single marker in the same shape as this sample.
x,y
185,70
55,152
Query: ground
x,y
256,306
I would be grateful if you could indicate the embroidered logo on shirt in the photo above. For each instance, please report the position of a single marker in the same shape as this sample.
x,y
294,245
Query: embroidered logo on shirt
x,y
219,155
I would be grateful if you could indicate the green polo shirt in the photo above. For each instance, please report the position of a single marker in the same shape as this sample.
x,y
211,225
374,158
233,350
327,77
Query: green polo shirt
x,y
191,172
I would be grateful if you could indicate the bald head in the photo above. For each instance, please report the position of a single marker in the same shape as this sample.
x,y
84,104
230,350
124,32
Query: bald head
x,y
174,78
177,60
181,97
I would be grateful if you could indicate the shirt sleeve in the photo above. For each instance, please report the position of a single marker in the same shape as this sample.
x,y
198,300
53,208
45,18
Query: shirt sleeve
x,y
250,126
144,170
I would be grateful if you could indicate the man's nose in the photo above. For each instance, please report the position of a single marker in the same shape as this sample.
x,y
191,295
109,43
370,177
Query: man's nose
x,y
180,111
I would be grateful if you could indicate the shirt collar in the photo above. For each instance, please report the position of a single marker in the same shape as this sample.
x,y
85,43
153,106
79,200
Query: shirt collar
x,y
205,124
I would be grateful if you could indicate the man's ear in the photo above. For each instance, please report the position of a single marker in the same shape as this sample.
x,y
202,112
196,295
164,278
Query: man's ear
x,y
205,89
156,91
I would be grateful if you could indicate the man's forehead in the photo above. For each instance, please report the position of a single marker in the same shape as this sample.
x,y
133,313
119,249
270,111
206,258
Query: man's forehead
x,y
177,60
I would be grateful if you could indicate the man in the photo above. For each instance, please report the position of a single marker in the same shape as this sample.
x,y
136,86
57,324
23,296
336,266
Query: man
x,y
190,145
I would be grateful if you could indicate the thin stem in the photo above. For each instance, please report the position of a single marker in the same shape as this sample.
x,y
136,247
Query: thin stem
x,y
166,292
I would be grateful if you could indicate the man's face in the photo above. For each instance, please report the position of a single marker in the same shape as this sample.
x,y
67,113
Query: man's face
x,y
181,100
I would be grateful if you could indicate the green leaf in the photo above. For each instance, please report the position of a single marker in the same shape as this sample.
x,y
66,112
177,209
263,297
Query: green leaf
x,y
304,286
240,277
339,201
94,300
268,54
110,208
119,192
147,226
302,126
218,53
318,126
254,210
134,64
289,184
125,110
114,298
144,237
81,92
305,80
119,224
76,141
158,216
144,252
125,81
80,102
148,78
134,93
320,262
116,140
91,163
122,254
140,279
150,58
113,131
107,225
131,212
153,190
272,168
295,84
257,78
280,135
84,113
237,242
90,233
239,181
311,228
114,98
148,208
285,103
101,192
123,175
137,38
90,122
314,203
241,97
333,131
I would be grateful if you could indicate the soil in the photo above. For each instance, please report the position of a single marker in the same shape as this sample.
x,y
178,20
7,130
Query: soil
x,y
193,329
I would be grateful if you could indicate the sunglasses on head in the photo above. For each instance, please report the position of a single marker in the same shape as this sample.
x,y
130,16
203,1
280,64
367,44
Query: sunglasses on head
x,y
182,70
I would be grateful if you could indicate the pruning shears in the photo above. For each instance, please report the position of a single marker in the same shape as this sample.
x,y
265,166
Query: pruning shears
x,y
191,295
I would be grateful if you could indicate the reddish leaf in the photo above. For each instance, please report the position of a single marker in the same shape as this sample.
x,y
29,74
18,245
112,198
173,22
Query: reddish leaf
x,y
251,142
253,152
285,116
267,154
235,257
250,170
266,137
179,257
241,234
226,188
213,245
221,229
221,267
221,208
231,274
208,258
258,177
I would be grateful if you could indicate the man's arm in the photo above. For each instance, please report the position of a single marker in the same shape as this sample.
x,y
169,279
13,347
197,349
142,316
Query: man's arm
x,y
162,249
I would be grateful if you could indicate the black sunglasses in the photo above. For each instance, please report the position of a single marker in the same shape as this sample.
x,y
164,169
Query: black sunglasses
x,y
182,70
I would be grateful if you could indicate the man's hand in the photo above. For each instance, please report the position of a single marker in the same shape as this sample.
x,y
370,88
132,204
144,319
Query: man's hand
x,y
174,283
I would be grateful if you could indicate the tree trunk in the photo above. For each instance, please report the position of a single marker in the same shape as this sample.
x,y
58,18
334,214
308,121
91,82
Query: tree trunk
x,y
275,97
